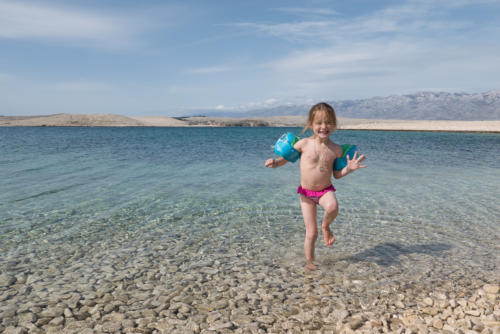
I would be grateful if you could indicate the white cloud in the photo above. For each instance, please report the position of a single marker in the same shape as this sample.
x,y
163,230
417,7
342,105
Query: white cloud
x,y
209,70
308,11
293,31
267,103
314,60
412,44
23,20
411,18
374,68
462,3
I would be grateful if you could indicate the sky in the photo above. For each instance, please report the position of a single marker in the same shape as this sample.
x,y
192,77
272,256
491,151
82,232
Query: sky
x,y
174,58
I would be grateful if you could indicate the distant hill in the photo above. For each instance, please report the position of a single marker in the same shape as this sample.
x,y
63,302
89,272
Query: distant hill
x,y
92,120
69,120
418,106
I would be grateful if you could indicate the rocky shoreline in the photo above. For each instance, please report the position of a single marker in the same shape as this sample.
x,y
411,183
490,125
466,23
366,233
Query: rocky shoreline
x,y
218,298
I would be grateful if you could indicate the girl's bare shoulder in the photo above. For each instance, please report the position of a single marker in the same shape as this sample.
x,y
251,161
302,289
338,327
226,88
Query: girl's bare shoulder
x,y
302,143
305,140
336,148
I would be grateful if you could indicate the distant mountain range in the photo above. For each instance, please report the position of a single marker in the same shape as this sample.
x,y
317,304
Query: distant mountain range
x,y
418,106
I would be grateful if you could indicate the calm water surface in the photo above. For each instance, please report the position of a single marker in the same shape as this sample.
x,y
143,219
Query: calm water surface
x,y
427,203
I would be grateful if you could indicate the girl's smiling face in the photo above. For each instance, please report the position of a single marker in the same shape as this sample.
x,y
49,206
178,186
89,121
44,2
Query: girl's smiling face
x,y
322,125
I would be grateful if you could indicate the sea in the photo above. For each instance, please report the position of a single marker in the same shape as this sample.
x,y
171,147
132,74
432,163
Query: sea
x,y
105,203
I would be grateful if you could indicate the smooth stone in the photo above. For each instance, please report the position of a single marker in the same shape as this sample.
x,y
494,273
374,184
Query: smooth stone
x,y
144,322
27,317
209,271
204,307
266,319
491,288
163,326
220,304
128,323
218,327
289,324
32,328
6,280
440,296
438,324
53,330
399,304
180,307
7,313
355,322
474,313
428,301
57,321
15,330
21,278
81,314
67,313
304,317
111,326
147,287
464,323
73,301
462,302
108,308
43,321
430,310
491,297
409,319
193,326
241,319
445,314
491,323
114,317
177,322
213,316
95,309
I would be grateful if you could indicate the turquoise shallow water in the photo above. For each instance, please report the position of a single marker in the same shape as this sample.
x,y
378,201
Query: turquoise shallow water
x,y
428,202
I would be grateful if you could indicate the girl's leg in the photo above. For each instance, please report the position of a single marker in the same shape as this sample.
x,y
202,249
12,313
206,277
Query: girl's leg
x,y
309,213
329,202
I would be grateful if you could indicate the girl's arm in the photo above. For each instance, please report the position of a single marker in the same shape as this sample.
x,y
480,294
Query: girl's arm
x,y
273,163
337,174
351,166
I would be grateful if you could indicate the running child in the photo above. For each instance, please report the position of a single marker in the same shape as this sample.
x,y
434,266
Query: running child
x,y
318,153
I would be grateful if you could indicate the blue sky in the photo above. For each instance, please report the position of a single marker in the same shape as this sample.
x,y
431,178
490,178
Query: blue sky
x,y
172,58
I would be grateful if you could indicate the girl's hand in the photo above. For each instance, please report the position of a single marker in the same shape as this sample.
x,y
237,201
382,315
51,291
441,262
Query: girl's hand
x,y
355,163
270,163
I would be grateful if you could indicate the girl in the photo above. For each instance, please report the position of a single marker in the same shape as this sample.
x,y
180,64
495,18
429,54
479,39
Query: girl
x,y
318,153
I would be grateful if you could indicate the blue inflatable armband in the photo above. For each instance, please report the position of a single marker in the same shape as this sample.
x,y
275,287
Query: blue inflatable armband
x,y
347,150
284,147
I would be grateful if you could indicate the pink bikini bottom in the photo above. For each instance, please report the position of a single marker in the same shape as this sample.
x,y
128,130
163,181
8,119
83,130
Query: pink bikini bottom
x,y
314,195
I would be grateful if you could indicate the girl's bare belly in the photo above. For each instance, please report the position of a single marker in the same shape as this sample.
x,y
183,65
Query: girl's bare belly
x,y
315,182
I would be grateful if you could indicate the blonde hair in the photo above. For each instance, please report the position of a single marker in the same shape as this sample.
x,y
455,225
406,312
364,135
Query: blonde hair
x,y
322,106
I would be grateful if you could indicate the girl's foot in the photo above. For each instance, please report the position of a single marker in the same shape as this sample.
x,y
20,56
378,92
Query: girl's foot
x,y
310,266
328,236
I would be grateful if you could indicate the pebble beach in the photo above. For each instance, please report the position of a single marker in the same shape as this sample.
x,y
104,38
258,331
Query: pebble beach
x,y
107,291
137,230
